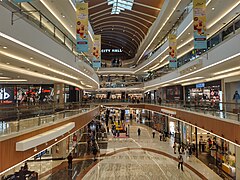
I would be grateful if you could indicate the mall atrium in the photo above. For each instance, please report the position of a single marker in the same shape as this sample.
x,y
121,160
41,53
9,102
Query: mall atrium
x,y
119,89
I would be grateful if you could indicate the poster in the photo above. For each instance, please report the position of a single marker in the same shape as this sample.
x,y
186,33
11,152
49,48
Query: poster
x,y
81,27
96,51
172,50
199,24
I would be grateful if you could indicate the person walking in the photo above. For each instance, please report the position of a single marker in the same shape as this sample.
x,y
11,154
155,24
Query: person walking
x,y
180,162
153,133
70,158
139,131
94,151
174,147
160,136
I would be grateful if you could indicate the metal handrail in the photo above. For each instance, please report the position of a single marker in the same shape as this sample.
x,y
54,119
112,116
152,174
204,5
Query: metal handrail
x,y
28,14
23,124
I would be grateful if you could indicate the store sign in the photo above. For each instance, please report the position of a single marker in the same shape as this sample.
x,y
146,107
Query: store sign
x,y
82,27
40,154
96,51
166,111
199,24
111,50
4,94
200,85
172,50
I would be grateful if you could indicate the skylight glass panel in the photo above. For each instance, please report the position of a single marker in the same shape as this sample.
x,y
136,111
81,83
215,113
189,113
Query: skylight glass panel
x,y
120,5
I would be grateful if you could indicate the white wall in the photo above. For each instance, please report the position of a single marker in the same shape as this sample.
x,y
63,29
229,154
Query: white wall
x,y
28,34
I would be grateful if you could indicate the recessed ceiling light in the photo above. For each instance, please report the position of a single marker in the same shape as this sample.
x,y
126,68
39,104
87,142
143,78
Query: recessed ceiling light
x,y
18,76
189,33
7,63
31,57
4,47
63,16
213,8
71,26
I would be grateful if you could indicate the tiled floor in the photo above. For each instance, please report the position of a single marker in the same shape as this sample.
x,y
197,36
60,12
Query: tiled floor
x,y
137,157
141,164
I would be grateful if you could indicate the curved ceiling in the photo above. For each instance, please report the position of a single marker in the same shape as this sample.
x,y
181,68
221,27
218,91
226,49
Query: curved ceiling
x,y
125,30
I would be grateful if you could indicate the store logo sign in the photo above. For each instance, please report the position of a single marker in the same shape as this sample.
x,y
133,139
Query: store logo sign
x,y
3,94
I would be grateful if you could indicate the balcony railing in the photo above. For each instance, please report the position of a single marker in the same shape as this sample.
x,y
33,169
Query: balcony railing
x,y
33,15
21,123
221,110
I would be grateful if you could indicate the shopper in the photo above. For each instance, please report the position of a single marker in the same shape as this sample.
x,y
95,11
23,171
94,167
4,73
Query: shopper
x,y
94,151
70,158
139,131
174,147
153,133
179,149
180,162
160,136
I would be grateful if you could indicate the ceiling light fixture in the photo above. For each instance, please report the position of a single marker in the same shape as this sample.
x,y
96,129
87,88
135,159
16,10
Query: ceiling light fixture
x,y
4,47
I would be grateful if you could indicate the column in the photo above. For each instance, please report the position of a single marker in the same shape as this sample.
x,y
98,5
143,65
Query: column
x,y
237,162
72,94
60,149
59,95
196,142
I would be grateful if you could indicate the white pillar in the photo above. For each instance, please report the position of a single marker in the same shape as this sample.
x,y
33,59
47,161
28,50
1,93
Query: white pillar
x,y
237,162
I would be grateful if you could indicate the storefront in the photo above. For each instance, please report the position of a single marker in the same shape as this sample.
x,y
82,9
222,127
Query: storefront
x,y
232,87
209,93
26,94
173,93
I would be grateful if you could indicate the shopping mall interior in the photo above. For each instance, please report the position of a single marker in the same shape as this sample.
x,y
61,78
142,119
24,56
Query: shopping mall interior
x,y
119,89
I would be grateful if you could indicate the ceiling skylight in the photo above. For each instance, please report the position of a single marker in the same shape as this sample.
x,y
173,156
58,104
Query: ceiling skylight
x,y
120,5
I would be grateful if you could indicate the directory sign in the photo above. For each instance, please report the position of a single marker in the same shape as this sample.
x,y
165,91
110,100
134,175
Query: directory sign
x,y
96,51
172,50
199,24
82,27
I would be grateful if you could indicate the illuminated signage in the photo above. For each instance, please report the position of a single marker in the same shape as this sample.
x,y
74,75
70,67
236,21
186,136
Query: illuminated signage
x,y
4,94
200,85
111,50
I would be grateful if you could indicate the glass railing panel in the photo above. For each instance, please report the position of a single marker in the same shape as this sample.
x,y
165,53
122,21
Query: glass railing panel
x,y
7,127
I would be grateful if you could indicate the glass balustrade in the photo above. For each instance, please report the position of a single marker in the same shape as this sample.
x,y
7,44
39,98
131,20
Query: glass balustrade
x,y
12,121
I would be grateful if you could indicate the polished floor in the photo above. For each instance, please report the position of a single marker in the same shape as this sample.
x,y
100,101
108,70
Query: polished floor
x,y
136,157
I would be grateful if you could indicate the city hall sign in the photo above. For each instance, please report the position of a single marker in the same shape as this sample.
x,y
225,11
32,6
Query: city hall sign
x,y
111,50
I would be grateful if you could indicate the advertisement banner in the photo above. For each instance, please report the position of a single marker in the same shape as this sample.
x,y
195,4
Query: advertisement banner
x,y
172,50
82,27
96,51
199,24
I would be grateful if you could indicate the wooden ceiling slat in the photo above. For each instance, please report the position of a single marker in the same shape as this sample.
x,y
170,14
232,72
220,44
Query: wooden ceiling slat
x,y
154,3
120,28
134,23
118,31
